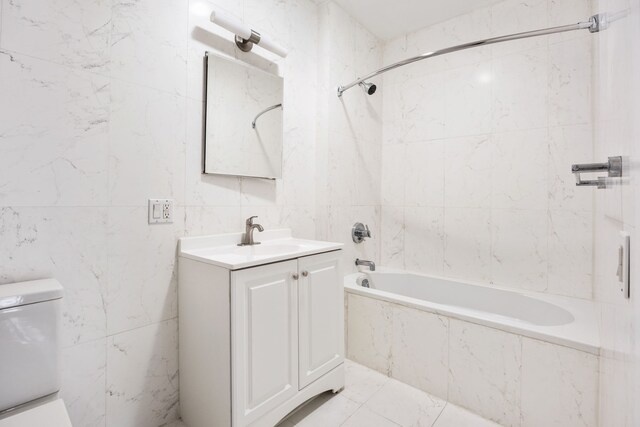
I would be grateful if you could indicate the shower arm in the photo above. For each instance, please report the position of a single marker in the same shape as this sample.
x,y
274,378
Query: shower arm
x,y
595,24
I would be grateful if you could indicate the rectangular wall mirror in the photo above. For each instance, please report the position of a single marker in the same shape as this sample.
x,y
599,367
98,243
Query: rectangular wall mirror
x,y
243,129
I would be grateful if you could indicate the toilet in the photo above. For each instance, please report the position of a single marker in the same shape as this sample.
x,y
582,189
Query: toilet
x,y
30,317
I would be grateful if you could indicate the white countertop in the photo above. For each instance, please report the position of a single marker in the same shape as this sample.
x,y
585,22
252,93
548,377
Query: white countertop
x,y
275,245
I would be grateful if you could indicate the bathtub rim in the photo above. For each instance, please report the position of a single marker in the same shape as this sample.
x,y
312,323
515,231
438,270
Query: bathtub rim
x,y
584,312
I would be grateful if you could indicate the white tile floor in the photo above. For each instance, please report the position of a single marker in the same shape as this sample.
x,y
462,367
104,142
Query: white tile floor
x,y
371,399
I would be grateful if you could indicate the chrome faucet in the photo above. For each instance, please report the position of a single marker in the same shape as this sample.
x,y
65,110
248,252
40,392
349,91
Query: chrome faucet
x,y
370,264
247,238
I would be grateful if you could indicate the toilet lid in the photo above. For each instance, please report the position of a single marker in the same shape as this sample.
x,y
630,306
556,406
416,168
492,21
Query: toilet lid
x,y
51,414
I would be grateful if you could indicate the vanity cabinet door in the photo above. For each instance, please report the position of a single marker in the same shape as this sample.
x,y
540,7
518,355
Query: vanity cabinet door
x,y
321,315
264,339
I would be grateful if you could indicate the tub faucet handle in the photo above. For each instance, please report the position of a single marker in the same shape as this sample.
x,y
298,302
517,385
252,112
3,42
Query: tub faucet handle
x,y
359,232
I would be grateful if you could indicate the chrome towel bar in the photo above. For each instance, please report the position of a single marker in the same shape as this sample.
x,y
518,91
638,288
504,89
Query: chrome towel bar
x,y
613,167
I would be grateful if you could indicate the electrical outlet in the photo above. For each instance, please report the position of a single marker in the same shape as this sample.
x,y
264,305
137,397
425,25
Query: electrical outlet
x,y
160,211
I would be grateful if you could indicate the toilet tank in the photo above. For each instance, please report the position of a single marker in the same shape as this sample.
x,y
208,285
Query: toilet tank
x,y
30,317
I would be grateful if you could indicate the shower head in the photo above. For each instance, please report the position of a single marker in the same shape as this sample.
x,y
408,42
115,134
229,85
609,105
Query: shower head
x,y
370,88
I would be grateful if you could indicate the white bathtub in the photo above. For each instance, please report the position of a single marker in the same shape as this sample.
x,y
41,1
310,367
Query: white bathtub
x,y
522,359
560,320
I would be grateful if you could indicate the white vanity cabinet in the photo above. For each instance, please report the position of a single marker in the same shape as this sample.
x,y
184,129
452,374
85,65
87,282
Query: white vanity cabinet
x,y
256,342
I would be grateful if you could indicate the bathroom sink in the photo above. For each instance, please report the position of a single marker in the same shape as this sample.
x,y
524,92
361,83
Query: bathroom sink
x,y
275,245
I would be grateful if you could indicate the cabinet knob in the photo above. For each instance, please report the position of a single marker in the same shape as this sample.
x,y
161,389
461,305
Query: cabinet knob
x,y
305,273
295,276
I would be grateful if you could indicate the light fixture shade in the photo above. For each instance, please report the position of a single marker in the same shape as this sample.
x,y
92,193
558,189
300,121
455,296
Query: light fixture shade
x,y
245,32
267,43
229,22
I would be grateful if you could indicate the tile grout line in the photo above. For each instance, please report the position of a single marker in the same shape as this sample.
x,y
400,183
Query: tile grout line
x,y
446,402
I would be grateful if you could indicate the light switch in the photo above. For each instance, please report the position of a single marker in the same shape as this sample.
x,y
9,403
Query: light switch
x,y
160,211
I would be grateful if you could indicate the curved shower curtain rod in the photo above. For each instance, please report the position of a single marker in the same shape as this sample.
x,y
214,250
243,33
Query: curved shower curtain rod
x,y
594,24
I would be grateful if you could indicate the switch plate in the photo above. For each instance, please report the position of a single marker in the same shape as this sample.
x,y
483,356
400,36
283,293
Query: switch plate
x,y
160,211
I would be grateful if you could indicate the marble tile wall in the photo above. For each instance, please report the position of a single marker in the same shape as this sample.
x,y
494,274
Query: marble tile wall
x,y
501,376
477,148
349,137
101,108
616,130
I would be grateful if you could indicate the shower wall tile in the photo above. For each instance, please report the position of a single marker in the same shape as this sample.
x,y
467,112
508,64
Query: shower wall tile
x,y
419,362
394,175
148,44
61,31
54,134
424,174
392,236
342,169
570,82
421,41
83,382
393,51
462,29
519,106
484,371
142,376
519,162
571,374
564,11
508,17
415,116
424,239
516,116
570,253
368,179
467,243
468,100
467,172
519,254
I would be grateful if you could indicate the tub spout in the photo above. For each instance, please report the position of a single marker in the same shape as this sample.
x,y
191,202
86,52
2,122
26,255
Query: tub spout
x,y
370,264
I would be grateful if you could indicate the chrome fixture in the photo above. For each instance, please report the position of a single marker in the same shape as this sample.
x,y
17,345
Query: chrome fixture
x,y
594,24
370,88
364,283
247,238
266,110
359,232
370,264
624,262
245,37
613,167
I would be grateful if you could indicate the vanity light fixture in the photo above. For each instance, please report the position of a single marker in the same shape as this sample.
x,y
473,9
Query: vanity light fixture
x,y
245,36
